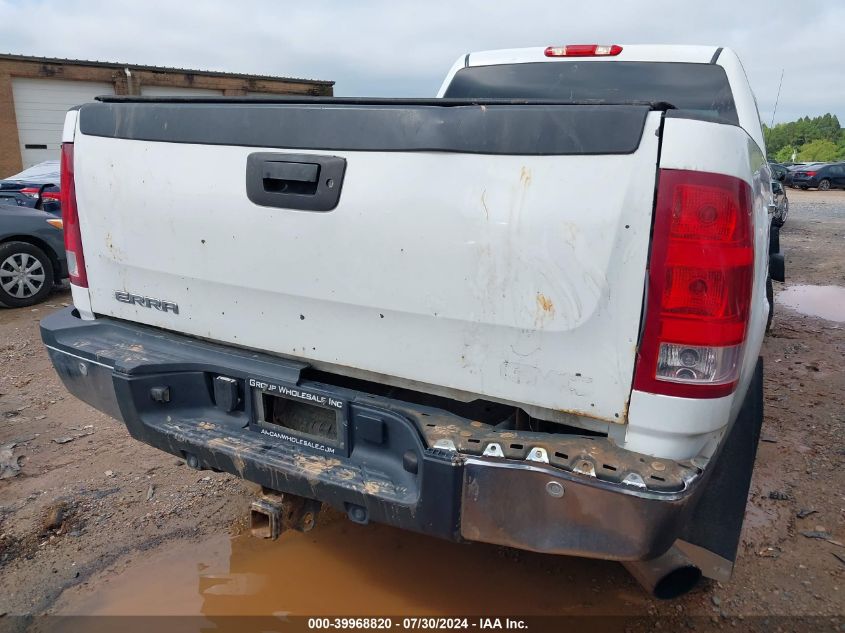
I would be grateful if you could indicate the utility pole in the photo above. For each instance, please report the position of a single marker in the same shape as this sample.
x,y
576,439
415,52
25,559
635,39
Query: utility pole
x,y
777,98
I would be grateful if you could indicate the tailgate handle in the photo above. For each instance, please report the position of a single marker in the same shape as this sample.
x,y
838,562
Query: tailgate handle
x,y
307,182
275,171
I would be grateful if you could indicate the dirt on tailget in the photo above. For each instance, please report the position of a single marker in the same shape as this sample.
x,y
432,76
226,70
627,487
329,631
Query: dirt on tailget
x,y
102,524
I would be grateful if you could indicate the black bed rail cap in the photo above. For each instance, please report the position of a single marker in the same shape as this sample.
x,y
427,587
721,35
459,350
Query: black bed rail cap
x,y
515,127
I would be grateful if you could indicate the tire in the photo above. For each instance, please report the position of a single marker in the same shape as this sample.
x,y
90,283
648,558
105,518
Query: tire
x,y
770,297
824,184
26,275
784,211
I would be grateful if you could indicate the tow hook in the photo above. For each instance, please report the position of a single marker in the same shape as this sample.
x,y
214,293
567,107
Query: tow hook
x,y
273,512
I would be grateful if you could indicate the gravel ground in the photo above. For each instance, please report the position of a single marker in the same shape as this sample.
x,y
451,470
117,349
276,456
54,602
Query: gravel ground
x,y
89,502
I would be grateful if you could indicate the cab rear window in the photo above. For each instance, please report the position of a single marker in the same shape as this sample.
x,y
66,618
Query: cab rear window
x,y
700,88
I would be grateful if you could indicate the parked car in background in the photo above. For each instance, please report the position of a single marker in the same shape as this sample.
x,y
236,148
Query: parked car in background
x,y
17,198
32,254
790,172
781,202
779,171
789,180
39,200
820,176
39,181
46,192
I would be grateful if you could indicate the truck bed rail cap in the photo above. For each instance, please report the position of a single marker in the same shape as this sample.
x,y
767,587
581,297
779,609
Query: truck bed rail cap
x,y
381,126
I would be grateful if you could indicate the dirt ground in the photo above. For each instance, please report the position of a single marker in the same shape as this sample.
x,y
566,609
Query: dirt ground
x,y
95,522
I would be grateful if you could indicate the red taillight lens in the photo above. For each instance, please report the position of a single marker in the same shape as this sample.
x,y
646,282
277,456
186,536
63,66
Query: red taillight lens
x,y
810,173
70,218
583,50
47,195
699,291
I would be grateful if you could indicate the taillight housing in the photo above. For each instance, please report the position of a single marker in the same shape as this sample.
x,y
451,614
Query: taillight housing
x,y
46,195
583,50
70,218
811,174
700,277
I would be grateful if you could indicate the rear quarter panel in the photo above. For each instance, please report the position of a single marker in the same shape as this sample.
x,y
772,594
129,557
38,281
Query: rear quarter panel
x,y
684,427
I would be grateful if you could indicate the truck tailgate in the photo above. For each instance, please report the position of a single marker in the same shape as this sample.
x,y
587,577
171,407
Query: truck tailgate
x,y
497,251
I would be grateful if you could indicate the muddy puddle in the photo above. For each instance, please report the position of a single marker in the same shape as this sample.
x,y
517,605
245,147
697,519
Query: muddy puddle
x,y
342,568
826,302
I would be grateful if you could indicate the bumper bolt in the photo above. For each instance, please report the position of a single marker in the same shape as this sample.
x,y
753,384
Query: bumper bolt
x,y
555,489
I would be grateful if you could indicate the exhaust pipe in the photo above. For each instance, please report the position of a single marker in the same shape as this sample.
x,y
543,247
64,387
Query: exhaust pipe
x,y
667,576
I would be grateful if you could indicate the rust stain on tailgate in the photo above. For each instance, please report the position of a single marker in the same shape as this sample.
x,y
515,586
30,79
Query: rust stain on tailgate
x,y
525,177
545,304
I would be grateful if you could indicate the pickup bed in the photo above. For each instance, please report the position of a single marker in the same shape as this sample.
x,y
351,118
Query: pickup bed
x,y
526,312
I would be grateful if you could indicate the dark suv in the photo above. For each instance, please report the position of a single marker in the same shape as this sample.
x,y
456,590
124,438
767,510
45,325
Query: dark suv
x,y
823,177
779,171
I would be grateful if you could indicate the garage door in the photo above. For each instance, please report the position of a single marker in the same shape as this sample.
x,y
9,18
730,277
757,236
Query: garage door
x,y
167,91
40,107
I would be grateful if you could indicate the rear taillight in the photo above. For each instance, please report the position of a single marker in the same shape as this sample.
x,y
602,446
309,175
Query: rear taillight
x,y
46,195
70,218
811,174
699,286
583,50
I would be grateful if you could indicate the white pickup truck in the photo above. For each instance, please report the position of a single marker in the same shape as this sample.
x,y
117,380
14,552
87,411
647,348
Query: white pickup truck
x,y
527,312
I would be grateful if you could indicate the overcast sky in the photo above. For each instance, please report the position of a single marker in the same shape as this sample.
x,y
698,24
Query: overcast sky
x,y
395,48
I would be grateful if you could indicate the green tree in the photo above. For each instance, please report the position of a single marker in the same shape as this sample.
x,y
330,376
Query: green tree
x,y
820,150
784,154
800,132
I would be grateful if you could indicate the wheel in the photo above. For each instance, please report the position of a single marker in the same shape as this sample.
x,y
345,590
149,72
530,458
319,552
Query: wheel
x,y
824,184
26,275
780,219
770,297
